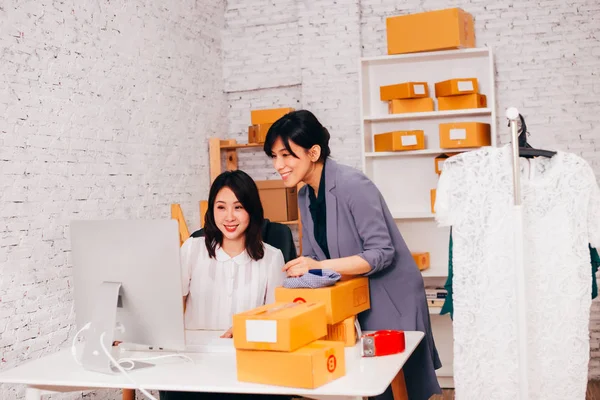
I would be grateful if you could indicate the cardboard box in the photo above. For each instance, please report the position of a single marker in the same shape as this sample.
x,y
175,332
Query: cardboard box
x,y
279,326
451,28
465,101
464,134
343,300
279,202
439,161
309,367
344,331
432,197
410,105
268,116
422,260
400,141
456,87
406,90
258,133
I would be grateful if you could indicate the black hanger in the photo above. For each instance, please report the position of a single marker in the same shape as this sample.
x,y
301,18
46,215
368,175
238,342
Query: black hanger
x,y
525,149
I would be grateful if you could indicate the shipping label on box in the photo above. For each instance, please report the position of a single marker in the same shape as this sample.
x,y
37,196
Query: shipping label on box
x,y
343,300
284,326
309,367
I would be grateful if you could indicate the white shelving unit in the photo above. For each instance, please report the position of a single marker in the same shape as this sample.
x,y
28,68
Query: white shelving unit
x,y
405,178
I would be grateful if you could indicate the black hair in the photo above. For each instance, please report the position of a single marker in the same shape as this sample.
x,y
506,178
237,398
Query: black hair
x,y
302,128
246,192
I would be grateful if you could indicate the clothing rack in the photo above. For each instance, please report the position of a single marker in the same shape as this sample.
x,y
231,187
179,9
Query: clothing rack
x,y
521,305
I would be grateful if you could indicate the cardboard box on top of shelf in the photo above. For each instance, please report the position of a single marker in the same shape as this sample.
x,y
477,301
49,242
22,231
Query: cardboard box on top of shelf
x,y
432,198
439,161
456,87
344,331
402,106
405,90
279,202
309,367
258,133
268,116
462,102
422,260
280,326
456,135
342,300
400,141
446,29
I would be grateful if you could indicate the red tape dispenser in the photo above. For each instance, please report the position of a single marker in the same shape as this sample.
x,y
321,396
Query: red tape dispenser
x,y
382,343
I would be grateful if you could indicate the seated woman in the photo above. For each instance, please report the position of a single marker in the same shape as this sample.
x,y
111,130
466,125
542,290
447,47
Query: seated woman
x,y
230,269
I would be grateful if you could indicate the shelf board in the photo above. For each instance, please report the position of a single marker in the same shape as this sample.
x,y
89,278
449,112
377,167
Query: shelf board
x,y
435,55
241,146
374,154
431,272
413,215
428,115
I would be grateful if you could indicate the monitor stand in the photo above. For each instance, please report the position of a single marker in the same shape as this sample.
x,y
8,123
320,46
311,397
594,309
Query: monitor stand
x,y
105,319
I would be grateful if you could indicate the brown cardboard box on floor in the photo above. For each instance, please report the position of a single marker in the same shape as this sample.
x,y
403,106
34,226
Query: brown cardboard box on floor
x,y
309,367
456,135
427,31
279,202
399,141
344,299
406,90
268,116
280,326
402,106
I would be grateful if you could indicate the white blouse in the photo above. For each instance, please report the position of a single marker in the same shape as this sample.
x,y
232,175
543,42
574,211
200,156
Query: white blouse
x,y
217,288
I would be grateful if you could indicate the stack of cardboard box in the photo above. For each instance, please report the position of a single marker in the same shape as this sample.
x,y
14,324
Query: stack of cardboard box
x,y
299,340
262,120
459,94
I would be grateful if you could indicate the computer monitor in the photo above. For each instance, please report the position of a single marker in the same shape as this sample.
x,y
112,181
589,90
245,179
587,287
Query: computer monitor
x,y
127,273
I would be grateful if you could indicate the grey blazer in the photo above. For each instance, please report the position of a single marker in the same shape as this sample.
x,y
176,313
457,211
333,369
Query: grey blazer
x,y
360,223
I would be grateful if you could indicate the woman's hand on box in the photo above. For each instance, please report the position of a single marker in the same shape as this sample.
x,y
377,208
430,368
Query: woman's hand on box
x,y
301,266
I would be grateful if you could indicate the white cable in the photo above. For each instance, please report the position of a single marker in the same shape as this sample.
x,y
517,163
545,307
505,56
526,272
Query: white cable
x,y
120,368
133,360
73,346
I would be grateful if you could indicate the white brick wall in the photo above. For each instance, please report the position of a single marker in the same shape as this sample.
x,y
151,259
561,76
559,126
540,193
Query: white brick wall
x,y
547,58
105,108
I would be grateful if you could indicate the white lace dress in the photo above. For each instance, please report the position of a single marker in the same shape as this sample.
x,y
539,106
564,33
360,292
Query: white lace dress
x,y
561,207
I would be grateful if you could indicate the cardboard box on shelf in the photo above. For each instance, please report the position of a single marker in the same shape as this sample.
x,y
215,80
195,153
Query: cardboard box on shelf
x,y
422,260
456,87
455,135
432,198
465,101
279,202
445,29
400,141
280,326
405,90
343,300
439,161
402,106
344,331
309,367
258,133
268,116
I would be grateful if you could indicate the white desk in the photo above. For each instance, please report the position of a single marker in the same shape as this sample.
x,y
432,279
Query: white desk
x,y
213,371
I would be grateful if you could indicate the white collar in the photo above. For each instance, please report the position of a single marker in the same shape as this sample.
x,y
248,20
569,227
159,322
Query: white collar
x,y
241,259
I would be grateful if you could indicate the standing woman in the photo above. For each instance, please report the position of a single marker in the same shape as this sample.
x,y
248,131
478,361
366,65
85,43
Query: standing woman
x,y
348,228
